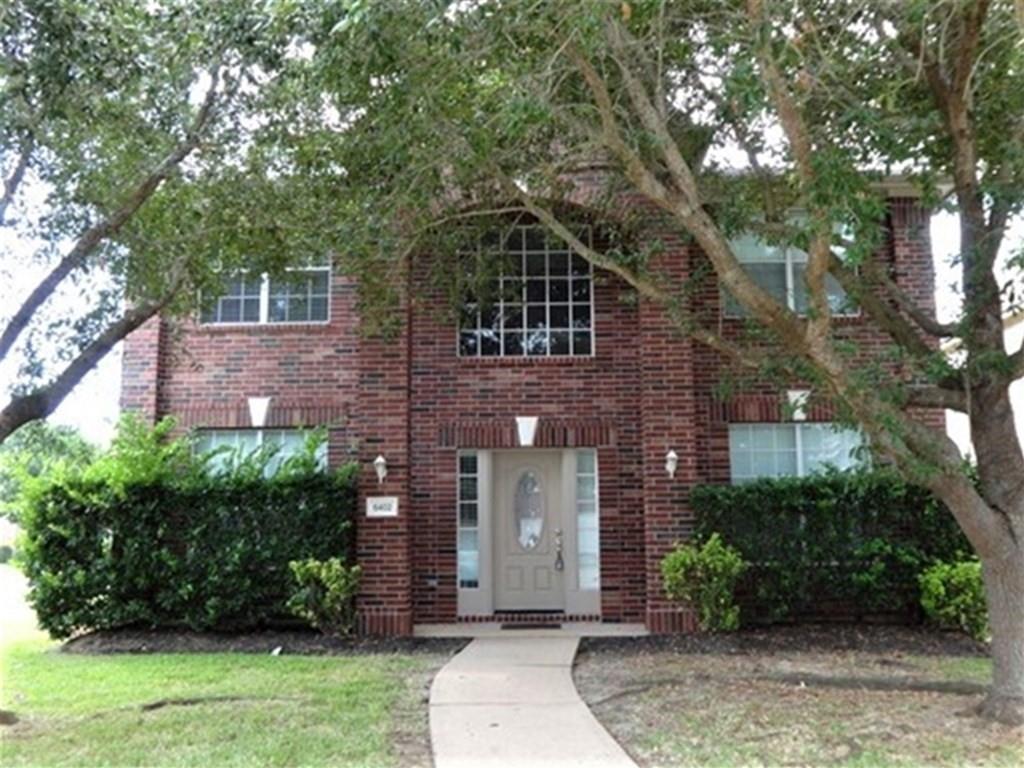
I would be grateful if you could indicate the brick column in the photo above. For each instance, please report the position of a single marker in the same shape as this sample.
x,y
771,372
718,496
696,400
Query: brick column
x,y
668,414
914,270
912,250
382,426
140,370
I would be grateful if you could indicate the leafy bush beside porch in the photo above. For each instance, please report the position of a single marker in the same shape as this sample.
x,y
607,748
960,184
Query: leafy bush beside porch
x,y
148,535
847,544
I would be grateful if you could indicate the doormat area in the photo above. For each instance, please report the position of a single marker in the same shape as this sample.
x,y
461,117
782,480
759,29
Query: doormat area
x,y
533,625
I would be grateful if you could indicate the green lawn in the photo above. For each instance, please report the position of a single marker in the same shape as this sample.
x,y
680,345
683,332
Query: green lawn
x,y
244,710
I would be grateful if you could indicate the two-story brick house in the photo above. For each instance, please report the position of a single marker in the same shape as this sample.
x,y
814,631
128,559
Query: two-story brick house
x,y
537,454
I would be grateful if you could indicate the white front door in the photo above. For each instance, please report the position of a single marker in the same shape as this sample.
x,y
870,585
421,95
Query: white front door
x,y
529,531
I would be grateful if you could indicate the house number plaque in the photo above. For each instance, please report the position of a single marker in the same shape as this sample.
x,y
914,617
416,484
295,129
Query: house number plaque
x,y
382,506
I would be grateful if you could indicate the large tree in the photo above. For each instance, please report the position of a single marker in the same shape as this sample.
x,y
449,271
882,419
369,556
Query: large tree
x,y
131,172
436,112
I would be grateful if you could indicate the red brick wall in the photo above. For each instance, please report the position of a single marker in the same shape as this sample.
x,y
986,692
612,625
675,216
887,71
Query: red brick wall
x,y
410,398
207,373
381,426
140,369
473,402
669,409
906,250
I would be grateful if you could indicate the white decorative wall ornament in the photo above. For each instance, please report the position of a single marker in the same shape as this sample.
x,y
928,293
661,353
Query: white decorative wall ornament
x,y
258,407
526,426
798,399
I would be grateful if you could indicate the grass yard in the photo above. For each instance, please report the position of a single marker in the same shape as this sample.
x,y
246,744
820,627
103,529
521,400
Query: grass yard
x,y
206,709
804,706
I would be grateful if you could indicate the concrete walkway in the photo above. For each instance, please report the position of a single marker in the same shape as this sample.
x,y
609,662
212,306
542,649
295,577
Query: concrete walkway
x,y
511,702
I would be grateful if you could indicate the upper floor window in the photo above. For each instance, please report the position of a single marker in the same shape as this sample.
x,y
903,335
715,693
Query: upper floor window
x,y
792,449
780,271
231,446
301,295
539,303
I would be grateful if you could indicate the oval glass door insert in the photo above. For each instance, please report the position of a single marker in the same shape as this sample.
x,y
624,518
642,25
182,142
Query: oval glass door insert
x,y
529,511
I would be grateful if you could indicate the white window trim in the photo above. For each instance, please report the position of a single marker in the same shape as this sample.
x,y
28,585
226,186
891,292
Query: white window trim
x,y
597,518
260,433
547,311
798,428
459,475
265,303
791,256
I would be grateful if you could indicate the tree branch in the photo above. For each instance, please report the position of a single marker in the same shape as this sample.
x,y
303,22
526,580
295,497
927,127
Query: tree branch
x,y
685,205
17,175
42,402
799,137
651,290
924,320
1016,360
936,397
902,332
109,226
637,172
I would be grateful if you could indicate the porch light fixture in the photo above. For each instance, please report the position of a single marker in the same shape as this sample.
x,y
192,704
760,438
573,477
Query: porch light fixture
x,y
380,466
671,463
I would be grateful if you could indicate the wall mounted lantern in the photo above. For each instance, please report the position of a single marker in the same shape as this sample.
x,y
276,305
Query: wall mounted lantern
x,y
380,466
671,463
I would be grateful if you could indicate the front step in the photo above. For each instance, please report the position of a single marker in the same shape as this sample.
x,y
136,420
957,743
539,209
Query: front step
x,y
493,628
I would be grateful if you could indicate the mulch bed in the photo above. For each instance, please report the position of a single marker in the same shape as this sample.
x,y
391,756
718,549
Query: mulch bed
x,y
300,642
823,638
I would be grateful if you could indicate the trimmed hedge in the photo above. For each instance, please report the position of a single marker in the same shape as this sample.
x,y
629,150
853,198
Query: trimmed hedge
x,y
177,545
849,543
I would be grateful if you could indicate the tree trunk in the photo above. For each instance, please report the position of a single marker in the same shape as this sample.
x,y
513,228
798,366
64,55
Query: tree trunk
x,y
1004,590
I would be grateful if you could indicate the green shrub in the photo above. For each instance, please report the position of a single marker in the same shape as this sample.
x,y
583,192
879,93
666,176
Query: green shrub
x,y
325,594
855,540
706,578
953,596
147,535
6,553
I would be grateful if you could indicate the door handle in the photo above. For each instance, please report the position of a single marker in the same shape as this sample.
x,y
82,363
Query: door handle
x,y
559,562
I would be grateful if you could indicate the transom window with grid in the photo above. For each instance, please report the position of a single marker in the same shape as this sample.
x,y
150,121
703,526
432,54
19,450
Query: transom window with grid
x,y
538,303
300,295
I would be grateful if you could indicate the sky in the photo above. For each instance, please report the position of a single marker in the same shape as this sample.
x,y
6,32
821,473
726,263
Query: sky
x,y
93,406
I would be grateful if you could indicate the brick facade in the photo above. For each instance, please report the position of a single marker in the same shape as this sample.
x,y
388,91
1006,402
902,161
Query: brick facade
x,y
409,397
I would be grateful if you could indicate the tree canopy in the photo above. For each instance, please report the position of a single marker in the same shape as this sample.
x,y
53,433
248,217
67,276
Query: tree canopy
x,y
34,450
133,153
786,119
